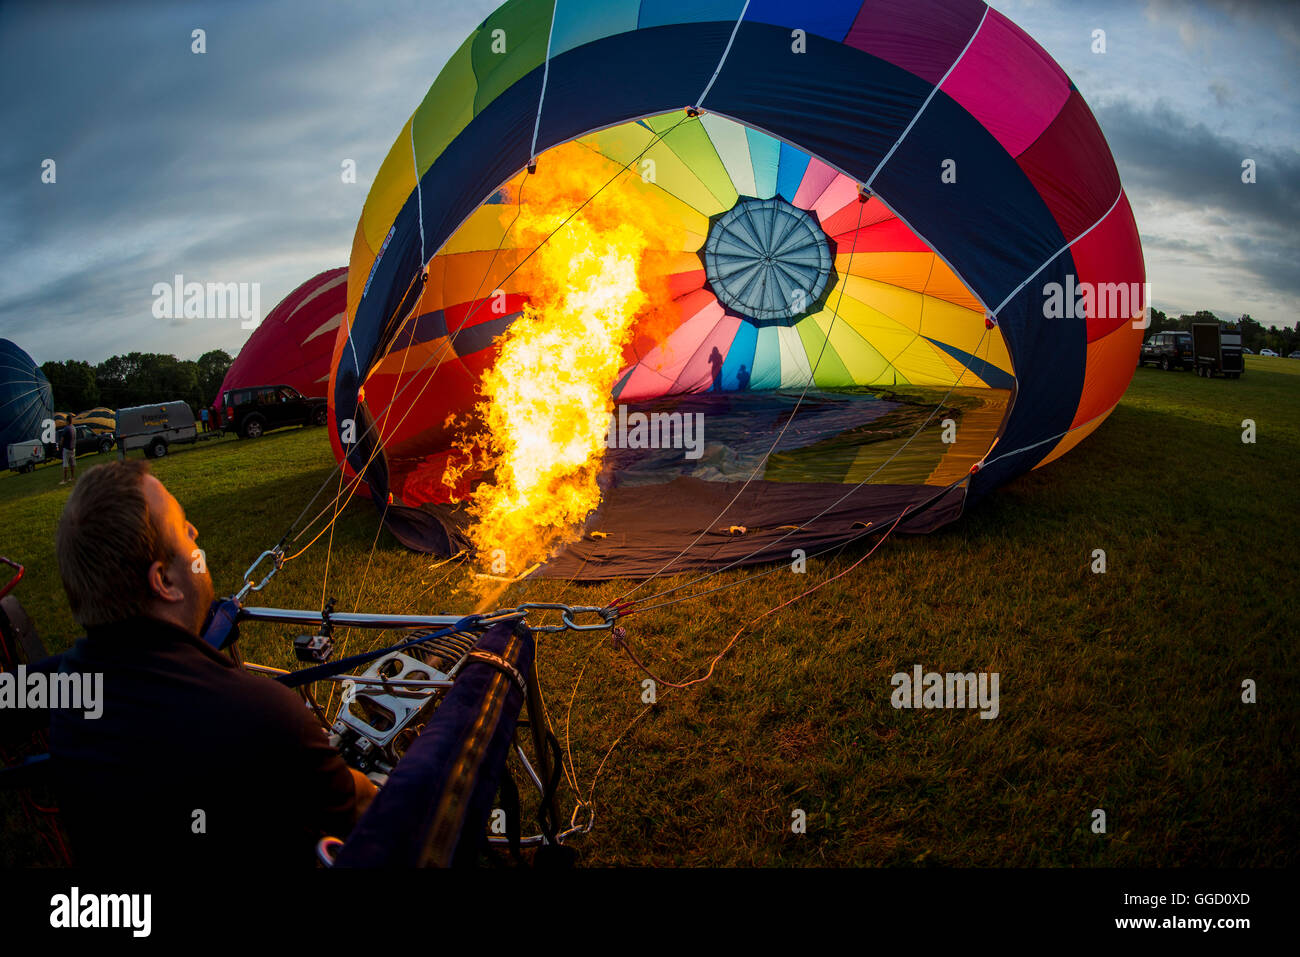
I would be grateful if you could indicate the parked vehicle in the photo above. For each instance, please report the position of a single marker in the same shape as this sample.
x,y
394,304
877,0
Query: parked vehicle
x,y
1218,352
1268,352
88,441
1294,355
25,456
155,428
1248,352
254,411
1168,350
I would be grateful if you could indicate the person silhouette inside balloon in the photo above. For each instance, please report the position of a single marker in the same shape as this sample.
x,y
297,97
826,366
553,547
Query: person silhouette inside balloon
x,y
715,360
742,379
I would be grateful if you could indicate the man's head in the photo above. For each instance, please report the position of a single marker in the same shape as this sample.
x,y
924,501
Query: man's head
x,y
126,549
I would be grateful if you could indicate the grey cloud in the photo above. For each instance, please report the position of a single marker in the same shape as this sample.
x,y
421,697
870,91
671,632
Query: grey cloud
x,y
1163,154
221,166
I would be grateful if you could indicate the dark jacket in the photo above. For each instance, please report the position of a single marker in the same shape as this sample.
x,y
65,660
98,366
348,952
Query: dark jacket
x,y
194,762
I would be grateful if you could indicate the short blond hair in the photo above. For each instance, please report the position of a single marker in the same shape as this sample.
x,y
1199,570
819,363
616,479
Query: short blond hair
x,y
107,540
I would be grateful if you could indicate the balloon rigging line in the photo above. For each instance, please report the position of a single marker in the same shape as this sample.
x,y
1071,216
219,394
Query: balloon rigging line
x,y
541,96
337,467
1052,258
356,605
933,90
622,642
699,103
329,551
355,481
837,547
728,646
419,192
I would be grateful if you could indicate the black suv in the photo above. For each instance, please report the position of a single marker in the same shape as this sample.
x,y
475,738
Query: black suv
x,y
252,411
1169,350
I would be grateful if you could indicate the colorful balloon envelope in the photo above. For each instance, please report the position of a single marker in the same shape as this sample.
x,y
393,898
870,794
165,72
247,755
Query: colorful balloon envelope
x,y
26,399
100,420
886,261
293,344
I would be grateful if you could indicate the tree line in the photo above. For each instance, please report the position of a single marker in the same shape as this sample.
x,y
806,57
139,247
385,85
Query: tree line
x,y
137,378
1254,336
142,378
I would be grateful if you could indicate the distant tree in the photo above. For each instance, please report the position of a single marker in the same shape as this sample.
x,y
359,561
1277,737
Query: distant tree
x,y
1252,333
142,378
118,382
1159,322
213,367
1185,321
74,385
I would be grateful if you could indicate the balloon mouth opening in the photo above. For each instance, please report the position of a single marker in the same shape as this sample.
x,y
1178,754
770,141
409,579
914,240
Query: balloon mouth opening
x,y
768,261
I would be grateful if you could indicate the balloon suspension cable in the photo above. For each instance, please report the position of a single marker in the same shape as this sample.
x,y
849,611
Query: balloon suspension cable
x,y
620,637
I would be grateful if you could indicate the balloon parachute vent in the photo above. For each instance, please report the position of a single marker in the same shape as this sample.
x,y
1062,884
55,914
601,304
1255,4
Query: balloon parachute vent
x,y
767,260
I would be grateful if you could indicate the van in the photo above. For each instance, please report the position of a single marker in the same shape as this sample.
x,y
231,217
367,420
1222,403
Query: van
x,y
155,427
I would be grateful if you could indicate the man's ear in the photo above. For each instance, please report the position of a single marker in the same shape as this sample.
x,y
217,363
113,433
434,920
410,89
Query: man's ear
x,y
161,584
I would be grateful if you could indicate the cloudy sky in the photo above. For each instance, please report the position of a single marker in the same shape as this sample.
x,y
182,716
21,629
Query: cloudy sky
x,y
226,166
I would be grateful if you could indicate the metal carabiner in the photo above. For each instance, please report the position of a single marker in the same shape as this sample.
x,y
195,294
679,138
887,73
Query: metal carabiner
x,y
277,562
607,617
525,608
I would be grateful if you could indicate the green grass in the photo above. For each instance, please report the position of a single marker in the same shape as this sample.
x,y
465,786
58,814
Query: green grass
x,y
1119,691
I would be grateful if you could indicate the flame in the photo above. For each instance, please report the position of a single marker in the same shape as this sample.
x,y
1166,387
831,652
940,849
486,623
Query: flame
x,y
547,400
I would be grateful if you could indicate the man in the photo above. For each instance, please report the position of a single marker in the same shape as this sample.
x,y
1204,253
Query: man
x,y
193,761
68,445
203,416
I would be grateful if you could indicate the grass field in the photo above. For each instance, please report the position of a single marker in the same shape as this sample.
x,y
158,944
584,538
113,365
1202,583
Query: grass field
x,y
1119,691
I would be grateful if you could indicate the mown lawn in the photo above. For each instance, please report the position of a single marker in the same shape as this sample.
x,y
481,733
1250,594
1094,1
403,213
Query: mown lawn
x,y
1119,691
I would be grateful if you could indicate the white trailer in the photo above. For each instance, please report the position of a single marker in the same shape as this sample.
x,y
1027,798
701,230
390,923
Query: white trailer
x,y
25,456
155,427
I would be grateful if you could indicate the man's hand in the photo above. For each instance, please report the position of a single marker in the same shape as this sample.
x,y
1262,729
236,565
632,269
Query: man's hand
x,y
365,790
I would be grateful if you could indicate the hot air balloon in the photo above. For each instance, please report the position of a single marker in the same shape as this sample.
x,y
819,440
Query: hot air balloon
x,y
292,345
26,399
878,251
100,420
